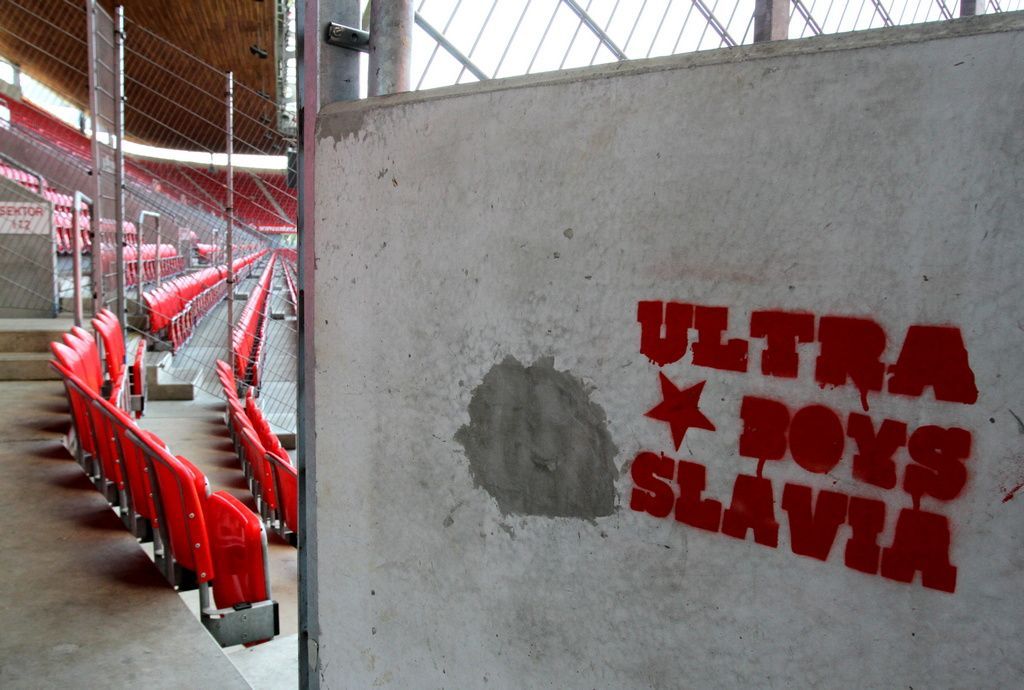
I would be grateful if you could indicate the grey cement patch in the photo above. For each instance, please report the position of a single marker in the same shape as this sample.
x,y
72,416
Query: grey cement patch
x,y
538,444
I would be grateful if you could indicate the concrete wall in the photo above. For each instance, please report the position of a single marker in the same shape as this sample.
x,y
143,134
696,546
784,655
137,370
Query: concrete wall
x,y
533,471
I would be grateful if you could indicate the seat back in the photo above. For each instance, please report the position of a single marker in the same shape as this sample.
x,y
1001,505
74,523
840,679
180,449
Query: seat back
x,y
68,363
179,505
90,369
239,546
286,486
112,338
255,456
133,463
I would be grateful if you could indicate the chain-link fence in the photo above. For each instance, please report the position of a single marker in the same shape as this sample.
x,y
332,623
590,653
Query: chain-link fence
x,y
200,165
149,232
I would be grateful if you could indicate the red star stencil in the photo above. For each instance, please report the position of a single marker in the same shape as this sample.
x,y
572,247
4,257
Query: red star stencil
x,y
679,409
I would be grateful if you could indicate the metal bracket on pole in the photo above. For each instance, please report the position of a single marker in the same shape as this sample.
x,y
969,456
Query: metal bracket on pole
x,y
347,37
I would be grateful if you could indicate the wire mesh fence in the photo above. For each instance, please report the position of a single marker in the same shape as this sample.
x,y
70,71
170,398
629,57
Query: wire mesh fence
x,y
171,249
169,260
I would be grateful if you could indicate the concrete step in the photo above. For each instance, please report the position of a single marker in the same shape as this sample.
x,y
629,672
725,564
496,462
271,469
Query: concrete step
x,y
26,366
160,385
31,335
67,305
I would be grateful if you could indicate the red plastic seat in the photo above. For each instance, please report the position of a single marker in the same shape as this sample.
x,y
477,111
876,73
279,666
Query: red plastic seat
x,y
180,498
238,543
109,330
286,485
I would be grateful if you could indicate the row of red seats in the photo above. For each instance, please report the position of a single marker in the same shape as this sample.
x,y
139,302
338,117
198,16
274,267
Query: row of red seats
x,y
207,189
277,185
250,330
64,214
126,378
120,384
208,253
168,261
25,179
272,478
176,307
201,539
45,127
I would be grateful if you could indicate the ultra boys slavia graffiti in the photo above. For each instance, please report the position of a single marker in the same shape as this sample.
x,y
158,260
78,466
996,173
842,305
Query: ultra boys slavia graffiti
x,y
816,437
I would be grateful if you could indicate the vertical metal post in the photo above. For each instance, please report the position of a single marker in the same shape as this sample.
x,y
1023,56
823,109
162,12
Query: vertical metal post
x,y
159,260
76,251
390,46
771,20
970,8
138,252
325,74
139,232
96,256
229,209
119,164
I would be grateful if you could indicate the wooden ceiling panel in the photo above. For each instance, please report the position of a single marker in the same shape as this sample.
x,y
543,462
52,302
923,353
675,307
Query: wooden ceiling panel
x,y
173,98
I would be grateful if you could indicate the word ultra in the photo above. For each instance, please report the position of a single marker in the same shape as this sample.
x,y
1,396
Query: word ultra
x,y
932,361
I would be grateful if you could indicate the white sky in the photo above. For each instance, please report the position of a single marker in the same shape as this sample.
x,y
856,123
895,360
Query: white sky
x,y
549,35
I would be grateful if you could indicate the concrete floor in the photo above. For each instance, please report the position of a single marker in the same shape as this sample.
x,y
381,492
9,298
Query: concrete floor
x,y
80,603
118,612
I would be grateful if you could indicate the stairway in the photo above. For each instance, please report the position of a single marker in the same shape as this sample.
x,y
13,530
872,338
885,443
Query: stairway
x,y
25,348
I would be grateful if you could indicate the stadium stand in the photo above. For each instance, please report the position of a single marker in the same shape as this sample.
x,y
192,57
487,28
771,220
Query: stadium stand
x,y
203,540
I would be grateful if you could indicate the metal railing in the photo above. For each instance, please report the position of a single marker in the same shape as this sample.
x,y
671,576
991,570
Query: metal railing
x,y
457,41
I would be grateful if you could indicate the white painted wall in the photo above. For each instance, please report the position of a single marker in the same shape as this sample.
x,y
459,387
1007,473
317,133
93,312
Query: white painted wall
x,y
876,175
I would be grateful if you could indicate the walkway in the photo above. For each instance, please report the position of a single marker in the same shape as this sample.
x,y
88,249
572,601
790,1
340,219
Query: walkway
x,y
80,603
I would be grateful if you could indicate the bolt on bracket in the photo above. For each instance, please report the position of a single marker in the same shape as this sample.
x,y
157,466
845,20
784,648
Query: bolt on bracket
x,y
347,37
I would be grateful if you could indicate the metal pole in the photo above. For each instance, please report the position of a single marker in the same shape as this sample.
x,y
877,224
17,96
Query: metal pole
x,y
771,20
96,258
76,251
119,163
139,232
390,46
595,28
229,209
138,251
159,260
325,74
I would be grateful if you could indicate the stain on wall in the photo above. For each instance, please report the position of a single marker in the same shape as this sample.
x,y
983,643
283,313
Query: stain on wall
x,y
538,444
